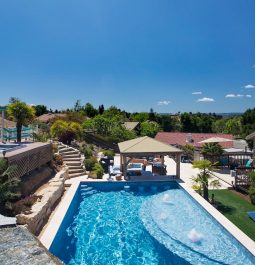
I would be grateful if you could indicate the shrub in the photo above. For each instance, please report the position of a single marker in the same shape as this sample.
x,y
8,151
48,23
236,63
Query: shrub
x,y
58,159
98,169
90,163
66,131
109,153
9,187
54,148
25,204
87,152
42,137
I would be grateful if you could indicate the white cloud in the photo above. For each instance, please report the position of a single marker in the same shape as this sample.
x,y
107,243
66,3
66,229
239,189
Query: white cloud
x,y
249,86
237,96
197,93
164,102
205,99
230,96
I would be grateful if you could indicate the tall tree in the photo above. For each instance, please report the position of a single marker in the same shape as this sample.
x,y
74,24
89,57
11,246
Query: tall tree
x,y
152,115
77,106
40,110
149,128
22,114
90,111
101,109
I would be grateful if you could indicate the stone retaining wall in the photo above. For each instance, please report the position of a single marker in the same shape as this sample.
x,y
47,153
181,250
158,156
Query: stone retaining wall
x,y
30,183
41,210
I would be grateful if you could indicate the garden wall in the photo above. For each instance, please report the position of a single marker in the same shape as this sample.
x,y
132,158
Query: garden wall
x,y
42,209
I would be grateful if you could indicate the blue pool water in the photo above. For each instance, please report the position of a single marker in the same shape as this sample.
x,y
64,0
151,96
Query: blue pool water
x,y
142,223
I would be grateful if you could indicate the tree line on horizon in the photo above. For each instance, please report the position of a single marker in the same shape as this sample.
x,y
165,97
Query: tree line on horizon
x,y
108,122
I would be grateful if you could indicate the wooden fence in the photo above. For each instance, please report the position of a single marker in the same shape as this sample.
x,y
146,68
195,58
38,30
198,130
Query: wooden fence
x,y
242,179
28,158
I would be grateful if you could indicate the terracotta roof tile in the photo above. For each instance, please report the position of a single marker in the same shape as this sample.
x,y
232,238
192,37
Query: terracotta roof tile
x,y
180,138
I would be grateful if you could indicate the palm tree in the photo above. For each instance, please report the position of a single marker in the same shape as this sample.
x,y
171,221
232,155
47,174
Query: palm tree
x,y
212,151
22,114
202,179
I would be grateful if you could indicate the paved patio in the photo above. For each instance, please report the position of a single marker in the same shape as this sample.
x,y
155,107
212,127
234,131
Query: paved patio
x,y
187,171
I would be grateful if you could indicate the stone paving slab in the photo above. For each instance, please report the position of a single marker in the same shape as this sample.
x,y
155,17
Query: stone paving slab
x,y
7,221
19,246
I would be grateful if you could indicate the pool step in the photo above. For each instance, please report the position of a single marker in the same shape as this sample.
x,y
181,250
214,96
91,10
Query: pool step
x,y
88,193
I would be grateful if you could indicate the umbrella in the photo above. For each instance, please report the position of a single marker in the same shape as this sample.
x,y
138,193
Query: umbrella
x,y
215,140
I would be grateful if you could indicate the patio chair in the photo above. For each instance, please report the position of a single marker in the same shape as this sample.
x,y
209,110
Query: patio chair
x,y
251,215
249,163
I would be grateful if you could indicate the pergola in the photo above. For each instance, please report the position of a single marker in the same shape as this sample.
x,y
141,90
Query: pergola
x,y
146,146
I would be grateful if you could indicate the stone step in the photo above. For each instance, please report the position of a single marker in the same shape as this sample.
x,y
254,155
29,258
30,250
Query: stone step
x,y
75,175
61,147
71,167
72,163
78,170
71,156
66,149
75,159
68,152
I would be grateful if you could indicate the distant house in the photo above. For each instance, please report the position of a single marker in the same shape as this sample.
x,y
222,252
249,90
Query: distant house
x,y
7,123
182,138
132,126
46,118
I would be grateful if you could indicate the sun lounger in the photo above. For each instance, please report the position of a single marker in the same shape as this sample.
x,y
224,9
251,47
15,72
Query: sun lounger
x,y
252,215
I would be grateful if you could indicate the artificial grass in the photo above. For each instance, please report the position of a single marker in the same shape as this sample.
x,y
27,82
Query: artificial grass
x,y
235,209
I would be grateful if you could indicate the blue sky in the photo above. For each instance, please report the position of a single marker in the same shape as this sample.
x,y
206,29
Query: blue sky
x,y
134,54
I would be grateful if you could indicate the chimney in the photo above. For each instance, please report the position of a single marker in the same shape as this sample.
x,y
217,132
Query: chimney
x,y
189,138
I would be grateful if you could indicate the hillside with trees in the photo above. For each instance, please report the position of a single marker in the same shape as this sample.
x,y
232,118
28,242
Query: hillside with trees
x,y
108,123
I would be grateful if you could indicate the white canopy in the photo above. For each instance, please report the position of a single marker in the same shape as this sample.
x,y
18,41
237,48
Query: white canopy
x,y
215,140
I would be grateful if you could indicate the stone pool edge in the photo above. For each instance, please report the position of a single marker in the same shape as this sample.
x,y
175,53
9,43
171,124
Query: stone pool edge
x,y
54,224
239,235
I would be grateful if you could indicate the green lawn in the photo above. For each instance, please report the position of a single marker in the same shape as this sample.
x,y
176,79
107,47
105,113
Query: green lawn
x,y
235,209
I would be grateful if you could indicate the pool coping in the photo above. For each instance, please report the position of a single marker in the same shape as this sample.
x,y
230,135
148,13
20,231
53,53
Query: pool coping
x,y
54,224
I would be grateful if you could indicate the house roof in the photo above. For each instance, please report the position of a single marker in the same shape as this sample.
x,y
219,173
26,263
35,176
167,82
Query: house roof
x,y
49,116
131,125
7,123
250,136
181,138
146,145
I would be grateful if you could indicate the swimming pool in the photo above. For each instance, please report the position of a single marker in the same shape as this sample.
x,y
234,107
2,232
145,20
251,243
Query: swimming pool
x,y
142,223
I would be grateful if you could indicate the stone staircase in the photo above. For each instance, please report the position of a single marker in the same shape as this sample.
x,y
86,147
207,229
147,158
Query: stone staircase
x,y
73,159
